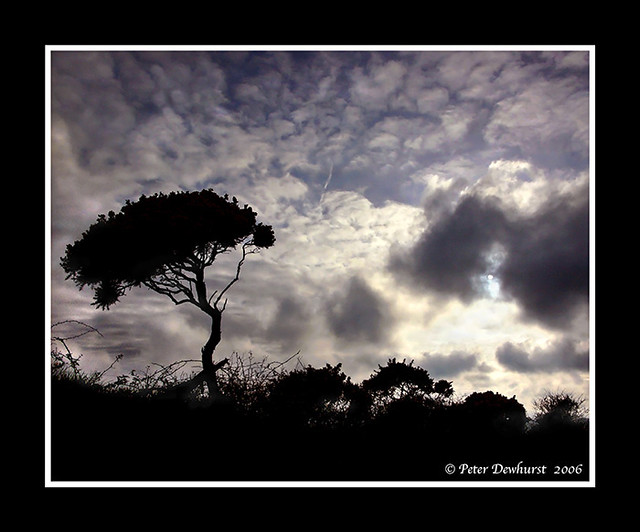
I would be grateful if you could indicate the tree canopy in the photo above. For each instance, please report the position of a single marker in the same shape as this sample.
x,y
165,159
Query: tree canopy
x,y
163,241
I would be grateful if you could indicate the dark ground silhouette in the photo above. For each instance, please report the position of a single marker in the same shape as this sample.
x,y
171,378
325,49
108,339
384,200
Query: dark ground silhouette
x,y
105,436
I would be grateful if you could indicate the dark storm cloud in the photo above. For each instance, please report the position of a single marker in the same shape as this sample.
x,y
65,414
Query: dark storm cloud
x,y
449,256
545,264
560,356
358,314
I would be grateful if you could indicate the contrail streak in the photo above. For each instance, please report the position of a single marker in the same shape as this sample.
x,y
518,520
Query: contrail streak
x,y
326,184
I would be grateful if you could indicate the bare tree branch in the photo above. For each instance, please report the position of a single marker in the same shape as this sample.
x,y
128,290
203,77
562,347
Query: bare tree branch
x,y
171,288
235,279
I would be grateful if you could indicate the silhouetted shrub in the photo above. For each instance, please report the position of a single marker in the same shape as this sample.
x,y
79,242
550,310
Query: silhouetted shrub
x,y
489,412
412,385
312,397
558,410
408,414
247,381
399,379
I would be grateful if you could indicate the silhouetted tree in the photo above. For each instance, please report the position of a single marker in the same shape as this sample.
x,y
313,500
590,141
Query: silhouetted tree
x,y
165,242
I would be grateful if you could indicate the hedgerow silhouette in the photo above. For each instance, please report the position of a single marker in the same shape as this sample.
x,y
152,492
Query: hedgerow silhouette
x,y
277,414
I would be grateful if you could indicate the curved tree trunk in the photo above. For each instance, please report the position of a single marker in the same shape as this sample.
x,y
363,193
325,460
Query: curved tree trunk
x,y
209,369
208,374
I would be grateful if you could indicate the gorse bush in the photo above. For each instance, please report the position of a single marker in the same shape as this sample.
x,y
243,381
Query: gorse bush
x,y
405,383
313,397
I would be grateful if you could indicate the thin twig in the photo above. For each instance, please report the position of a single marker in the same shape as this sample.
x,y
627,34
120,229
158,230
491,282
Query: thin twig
x,y
92,329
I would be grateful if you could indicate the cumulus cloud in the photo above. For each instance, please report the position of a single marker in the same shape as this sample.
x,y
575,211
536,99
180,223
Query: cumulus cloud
x,y
562,355
536,247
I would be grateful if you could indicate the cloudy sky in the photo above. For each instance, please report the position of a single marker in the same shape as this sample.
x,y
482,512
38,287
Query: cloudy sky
x,y
428,204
